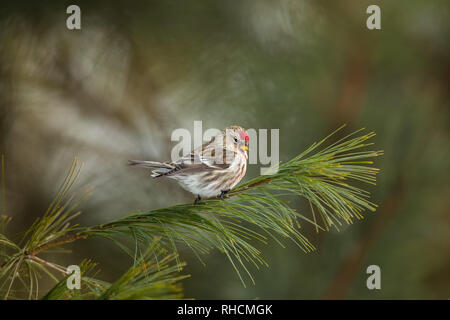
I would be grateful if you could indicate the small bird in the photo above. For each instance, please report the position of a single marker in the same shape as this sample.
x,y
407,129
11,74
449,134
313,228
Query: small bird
x,y
210,170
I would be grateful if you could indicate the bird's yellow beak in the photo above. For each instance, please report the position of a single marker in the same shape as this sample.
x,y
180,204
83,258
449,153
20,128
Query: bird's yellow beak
x,y
245,148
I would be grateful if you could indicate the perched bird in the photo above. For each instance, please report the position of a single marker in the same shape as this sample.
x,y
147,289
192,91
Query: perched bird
x,y
210,170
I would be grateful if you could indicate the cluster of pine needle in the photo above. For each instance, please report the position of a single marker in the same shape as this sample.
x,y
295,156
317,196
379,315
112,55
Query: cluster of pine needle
x,y
256,211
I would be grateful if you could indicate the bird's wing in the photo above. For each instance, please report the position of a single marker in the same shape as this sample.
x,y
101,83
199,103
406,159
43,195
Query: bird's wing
x,y
217,157
209,156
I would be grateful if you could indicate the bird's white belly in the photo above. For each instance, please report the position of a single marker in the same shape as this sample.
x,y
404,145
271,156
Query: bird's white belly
x,y
193,184
211,183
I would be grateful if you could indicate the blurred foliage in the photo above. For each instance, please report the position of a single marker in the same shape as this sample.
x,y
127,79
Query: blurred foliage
x,y
116,89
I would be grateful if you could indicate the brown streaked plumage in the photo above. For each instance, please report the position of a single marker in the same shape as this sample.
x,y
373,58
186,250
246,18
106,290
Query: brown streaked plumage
x,y
211,169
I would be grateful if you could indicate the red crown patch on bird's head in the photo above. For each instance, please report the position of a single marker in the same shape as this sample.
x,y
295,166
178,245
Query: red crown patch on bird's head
x,y
244,135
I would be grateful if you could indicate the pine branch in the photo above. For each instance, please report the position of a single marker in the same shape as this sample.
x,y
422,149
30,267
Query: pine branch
x,y
153,276
257,210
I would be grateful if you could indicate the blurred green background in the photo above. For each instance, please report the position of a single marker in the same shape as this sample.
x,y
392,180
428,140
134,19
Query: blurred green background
x,y
116,89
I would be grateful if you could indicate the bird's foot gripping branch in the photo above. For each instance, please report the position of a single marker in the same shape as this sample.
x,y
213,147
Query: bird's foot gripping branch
x,y
258,210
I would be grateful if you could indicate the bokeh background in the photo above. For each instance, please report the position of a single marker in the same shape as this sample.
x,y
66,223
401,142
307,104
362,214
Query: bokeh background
x,y
137,70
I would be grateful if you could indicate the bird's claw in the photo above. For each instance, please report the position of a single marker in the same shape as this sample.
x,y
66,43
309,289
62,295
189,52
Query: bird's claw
x,y
223,193
197,200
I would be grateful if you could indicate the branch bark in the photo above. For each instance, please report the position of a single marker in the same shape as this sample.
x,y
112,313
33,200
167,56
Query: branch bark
x,y
46,263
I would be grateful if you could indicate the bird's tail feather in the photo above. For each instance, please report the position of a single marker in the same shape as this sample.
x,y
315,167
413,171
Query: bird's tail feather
x,y
161,167
150,164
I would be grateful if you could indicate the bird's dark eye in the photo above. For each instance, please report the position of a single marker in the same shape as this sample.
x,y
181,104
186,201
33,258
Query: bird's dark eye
x,y
235,139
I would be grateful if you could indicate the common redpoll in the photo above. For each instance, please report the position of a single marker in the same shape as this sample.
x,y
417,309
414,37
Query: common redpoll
x,y
210,170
